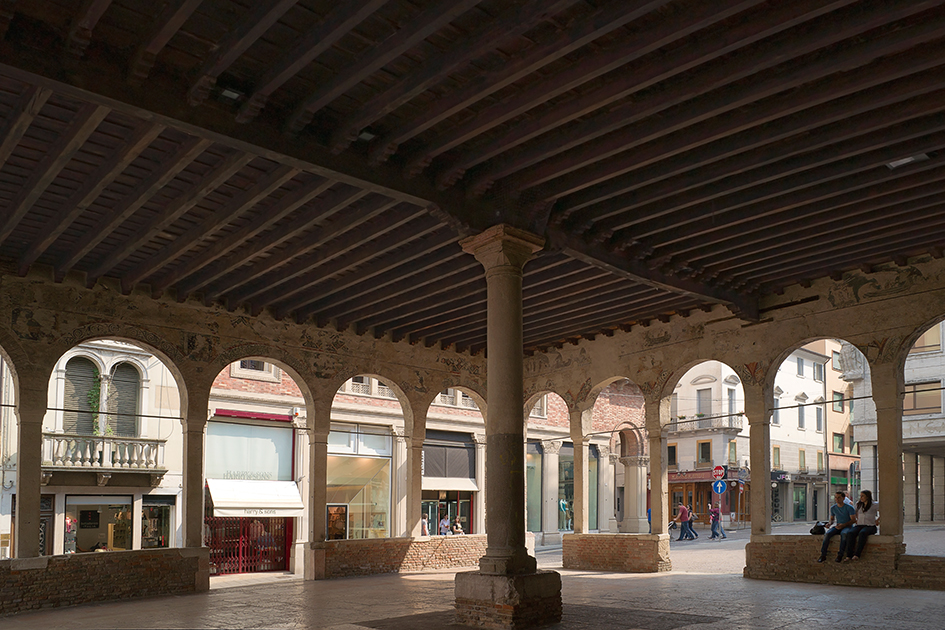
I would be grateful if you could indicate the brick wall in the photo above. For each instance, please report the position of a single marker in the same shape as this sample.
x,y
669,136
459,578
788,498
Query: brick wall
x,y
883,563
55,581
620,553
344,558
617,403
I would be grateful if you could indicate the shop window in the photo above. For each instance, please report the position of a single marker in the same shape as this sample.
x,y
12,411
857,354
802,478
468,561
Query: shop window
x,y
361,439
94,523
157,521
533,465
671,455
837,399
248,451
776,457
256,370
566,489
930,341
837,442
362,486
922,398
82,397
592,484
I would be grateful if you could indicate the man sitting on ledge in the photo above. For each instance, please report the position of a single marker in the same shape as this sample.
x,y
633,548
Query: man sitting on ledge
x,y
842,519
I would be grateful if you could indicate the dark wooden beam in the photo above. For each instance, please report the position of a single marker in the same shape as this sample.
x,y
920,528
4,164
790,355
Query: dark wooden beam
x,y
80,33
302,304
186,153
423,25
325,237
90,190
253,25
344,17
514,21
182,203
175,14
743,306
807,130
59,154
20,119
651,36
240,205
599,23
7,11
717,102
211,265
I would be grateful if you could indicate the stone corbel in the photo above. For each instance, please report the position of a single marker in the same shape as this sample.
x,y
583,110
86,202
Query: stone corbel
x,y
45,479
156,479
103,479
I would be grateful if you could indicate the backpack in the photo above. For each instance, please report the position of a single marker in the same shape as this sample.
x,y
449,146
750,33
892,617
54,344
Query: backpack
x,y
819,528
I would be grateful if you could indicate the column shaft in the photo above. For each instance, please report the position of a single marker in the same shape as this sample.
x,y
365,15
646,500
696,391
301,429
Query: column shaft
x,y
581,488
657,416
759,448
550,503
479,509
605,492
415,488
910,487
30,410
938,489
925,488
887,382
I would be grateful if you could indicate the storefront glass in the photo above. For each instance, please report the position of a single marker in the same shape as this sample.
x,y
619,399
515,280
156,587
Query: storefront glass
x,y
533,486
592,490
566,489
363,485
157,522
97,523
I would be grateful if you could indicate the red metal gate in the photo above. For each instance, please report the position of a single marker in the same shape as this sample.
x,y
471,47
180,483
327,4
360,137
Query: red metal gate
x,y
247,545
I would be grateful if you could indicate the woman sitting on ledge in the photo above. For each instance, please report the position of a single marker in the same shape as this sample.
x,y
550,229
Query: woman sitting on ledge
x,y
867,519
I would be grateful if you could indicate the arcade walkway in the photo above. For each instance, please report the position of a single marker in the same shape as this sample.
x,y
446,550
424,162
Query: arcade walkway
x,y
681,599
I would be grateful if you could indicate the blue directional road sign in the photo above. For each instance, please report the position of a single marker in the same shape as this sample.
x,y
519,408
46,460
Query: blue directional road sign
x,y
718,487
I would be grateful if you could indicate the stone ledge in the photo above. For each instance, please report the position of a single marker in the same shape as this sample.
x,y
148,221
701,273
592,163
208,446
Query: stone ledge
x,y
508,601
622,553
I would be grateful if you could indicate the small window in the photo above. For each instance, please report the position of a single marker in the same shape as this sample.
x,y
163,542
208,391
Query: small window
x,y
837,442
801,459
800,417
930,341
704,402
835,361
732,452
776,457
819,372
922,398
732,403
854,448
819,412
837,402
776,412
705,452
256,370
253,364
800,366
671,455
820,461
674,406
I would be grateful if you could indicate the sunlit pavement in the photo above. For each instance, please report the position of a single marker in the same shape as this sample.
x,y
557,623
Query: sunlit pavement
x,y
704,591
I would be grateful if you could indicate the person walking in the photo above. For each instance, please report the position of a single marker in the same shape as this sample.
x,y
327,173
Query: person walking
x,y
424,526
842,518
715,516
692,524
682,517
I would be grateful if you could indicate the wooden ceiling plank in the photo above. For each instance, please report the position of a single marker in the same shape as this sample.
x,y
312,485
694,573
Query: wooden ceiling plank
x,y
831,197
423,25
175,14
239,205
213,262
644,74
424,316
175,210
718,102
580,309
745,306
792,138
80,34
7,12
469,327
346,223
20,119
376,261
86,120
186,153
660,34
646,212
342,19
513,22
90,190
253,25
596,25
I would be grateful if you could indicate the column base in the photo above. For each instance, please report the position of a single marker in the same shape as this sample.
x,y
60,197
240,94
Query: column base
x,y
550,538
315,561
518,562
508,601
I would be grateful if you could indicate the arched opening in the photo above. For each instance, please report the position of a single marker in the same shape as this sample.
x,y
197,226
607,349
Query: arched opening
x,y
256,468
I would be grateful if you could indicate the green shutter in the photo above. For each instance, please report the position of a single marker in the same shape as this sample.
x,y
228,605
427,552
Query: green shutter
x,y
122,401
81,381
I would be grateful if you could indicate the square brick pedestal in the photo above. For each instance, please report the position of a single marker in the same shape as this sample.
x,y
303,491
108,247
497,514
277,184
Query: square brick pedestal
x,y
508,601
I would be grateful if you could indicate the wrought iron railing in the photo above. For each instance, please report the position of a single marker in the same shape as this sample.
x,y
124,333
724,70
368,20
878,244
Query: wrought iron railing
x,y
102,452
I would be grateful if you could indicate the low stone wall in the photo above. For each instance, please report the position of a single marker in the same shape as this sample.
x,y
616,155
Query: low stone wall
x,y
619,553
69,580
344,558
883,563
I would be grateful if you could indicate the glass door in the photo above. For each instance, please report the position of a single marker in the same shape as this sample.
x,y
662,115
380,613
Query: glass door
x,y
800,503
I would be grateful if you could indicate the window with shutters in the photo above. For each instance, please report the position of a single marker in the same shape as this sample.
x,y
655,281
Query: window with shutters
x,y
81,401
122,401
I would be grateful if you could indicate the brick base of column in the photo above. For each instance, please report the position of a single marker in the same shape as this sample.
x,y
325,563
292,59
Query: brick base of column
x,y
508,601
621,553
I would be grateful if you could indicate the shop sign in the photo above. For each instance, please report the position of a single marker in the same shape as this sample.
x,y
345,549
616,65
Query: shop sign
x,y
780,476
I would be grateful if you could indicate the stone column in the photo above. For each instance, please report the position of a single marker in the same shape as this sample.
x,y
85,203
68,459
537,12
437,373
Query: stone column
x,y
910,487
416,434
657,416
507,590
759,447
550,503
194,435
925,488
400,486
938,489
605,491
634,511
320,423
616,517
581,462
30,410
479,507
887,380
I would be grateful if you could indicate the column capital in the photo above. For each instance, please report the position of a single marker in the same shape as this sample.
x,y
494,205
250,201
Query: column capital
x,y
503,246
479,439
635,460
551,447
603,450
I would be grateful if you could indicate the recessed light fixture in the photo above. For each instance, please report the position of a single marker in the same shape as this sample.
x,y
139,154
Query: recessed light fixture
x,y
366,135
907,160
230,94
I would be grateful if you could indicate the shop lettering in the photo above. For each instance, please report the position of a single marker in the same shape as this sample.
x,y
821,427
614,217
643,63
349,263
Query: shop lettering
x,y
259,512
247,474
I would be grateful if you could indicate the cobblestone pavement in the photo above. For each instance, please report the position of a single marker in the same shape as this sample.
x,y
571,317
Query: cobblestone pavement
x,y
705,591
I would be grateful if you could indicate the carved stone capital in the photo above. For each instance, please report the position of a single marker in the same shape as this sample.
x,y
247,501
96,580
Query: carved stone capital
x,y
503,246
551,447
479,439
604,451
635,460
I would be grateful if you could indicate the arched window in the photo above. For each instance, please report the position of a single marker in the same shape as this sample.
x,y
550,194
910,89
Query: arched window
x,y
82,395
122,401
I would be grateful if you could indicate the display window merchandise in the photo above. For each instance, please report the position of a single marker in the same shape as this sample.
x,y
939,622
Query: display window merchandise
x,y
359,481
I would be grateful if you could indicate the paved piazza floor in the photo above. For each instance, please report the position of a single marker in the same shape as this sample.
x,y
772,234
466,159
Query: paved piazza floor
x,y
705,591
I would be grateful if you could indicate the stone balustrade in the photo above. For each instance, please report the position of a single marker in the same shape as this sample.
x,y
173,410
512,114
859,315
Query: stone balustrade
x,y
63,450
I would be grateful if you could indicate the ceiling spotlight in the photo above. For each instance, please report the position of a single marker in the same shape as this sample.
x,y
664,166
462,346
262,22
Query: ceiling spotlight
x,y
907,160
366,135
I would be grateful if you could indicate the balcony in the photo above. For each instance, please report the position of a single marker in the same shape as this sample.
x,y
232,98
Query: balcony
x,y
683,423
102,453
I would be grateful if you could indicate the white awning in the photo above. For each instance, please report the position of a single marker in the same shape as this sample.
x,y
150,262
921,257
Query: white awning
x,y
449,483
242,497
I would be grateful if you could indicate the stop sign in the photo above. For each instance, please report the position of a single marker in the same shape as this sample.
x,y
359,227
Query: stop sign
x,y
718,472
